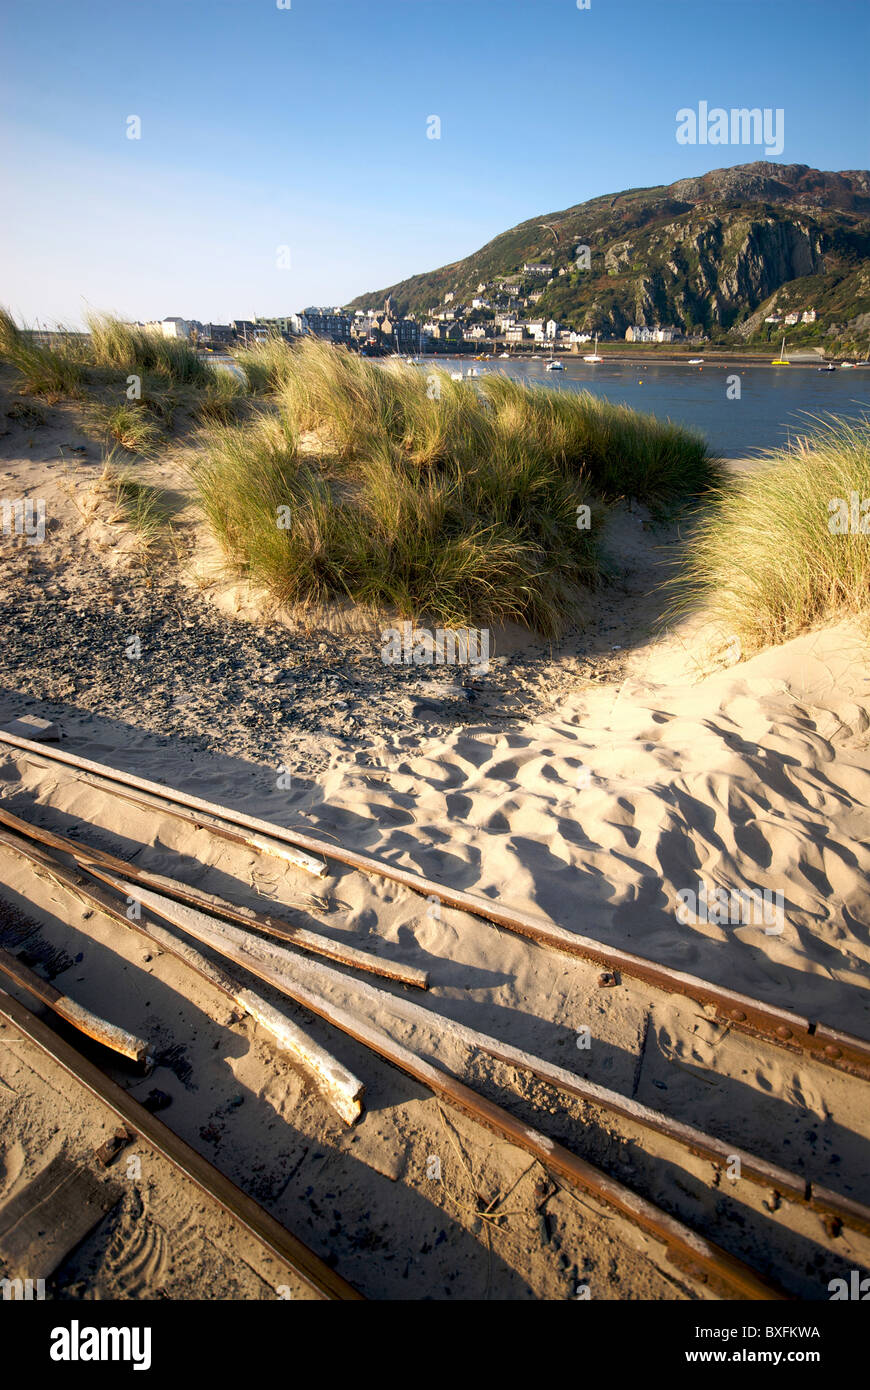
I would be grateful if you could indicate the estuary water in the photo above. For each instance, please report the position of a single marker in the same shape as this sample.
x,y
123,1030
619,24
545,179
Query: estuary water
x,y
775,403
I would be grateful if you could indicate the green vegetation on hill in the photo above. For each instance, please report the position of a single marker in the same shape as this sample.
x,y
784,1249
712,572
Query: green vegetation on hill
x,y
713,255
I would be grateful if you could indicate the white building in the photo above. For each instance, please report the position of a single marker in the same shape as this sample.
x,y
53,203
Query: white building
x,y
171,327
642,333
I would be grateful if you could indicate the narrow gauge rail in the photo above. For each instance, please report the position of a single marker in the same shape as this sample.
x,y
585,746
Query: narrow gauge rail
x,y
271,1235
690,1251
782,1027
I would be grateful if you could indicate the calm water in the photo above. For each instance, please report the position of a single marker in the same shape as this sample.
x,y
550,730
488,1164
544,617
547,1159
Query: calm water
x,y
774,405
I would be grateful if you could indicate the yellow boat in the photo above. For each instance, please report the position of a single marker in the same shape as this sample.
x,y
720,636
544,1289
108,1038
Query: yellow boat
x,y
782,360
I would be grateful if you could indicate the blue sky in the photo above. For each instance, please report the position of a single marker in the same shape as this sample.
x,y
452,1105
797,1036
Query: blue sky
x,y
306,128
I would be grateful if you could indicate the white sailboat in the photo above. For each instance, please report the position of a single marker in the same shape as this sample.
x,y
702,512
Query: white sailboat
x,y
593,356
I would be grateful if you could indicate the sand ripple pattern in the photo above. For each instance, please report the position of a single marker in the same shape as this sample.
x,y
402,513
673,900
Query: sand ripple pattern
x,y
758,778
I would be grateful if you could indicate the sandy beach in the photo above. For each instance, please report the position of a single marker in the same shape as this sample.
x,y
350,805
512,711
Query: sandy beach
x,y
590,782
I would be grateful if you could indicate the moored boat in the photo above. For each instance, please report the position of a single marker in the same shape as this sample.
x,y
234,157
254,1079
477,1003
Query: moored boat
x,y
782,360
593,356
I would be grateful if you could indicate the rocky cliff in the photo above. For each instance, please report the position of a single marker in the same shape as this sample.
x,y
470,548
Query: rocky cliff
x,y
712,254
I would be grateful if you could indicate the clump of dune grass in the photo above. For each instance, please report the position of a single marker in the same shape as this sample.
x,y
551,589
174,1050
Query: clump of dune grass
x,y
622,452
161,400
348,399
265,364
455,500
458,538
222,399
130,425
130,349
136,503
786,546
52,371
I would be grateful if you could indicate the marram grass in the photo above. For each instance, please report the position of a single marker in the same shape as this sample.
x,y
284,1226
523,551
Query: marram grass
x,y
138,504
622,452
118,348
222,398
423,495
130,349
265,364
54,371
130,425
786,546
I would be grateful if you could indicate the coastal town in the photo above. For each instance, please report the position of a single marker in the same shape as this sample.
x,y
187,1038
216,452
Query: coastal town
x,y
494,320
499,317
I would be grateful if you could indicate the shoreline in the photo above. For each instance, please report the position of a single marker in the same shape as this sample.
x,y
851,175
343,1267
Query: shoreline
x,y
633,359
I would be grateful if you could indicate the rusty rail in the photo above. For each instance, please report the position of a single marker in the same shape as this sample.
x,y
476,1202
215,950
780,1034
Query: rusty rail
x,y
339,1087
86,854
275,1238
782,1027
792,1186
692,1253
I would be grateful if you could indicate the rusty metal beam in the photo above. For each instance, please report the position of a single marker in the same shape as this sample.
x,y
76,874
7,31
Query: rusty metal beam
x,y
779,1026
275,1238
286,971
699,1258
338,1085
85,854
690,1251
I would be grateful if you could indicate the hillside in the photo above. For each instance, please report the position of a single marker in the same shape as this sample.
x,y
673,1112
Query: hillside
x,y
714,254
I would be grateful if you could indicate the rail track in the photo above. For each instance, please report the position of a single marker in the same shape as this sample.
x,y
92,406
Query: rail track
x,y
275,1239
248,941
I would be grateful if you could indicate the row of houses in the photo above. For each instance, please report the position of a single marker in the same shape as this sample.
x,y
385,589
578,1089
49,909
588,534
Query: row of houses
x,y
642,333
795,316
384,329
215,334
375,328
